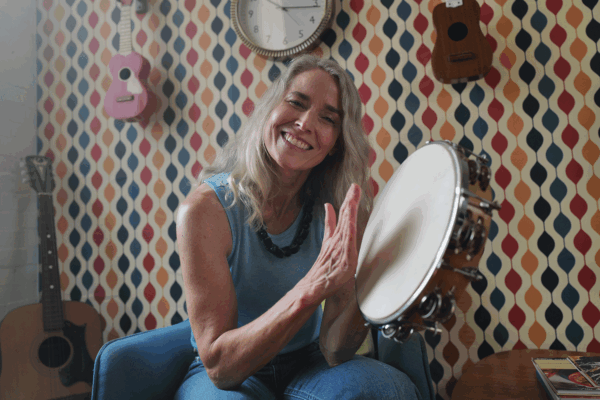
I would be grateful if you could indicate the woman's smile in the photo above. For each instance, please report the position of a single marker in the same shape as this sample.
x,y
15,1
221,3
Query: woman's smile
x,y
294,141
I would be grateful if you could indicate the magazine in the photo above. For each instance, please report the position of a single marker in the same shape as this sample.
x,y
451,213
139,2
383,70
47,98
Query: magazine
x,y
554,396
563,378
588,366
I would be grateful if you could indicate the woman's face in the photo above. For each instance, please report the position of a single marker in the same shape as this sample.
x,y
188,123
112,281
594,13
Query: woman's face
x,y
304,127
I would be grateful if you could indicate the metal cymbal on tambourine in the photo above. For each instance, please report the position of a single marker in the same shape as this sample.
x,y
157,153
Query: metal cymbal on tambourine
x,y
424,239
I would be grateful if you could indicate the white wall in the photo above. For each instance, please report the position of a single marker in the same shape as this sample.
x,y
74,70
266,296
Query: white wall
x,y
18,202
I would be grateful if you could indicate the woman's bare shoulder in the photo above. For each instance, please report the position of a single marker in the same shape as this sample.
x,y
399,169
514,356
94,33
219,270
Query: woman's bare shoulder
x,y
202,215
201,198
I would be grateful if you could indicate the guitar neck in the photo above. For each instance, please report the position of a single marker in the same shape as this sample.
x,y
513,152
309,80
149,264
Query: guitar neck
x,y
125,45
50,278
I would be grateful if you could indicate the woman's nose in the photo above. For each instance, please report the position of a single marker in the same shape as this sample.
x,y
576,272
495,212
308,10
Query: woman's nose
x,y
306,121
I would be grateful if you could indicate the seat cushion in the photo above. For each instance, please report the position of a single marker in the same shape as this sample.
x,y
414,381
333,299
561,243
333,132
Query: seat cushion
x,y
410,358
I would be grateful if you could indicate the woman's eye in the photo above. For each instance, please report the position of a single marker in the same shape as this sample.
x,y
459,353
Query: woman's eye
x,y
295,103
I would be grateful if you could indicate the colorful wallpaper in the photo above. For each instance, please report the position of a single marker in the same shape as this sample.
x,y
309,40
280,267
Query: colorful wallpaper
x,y
534,114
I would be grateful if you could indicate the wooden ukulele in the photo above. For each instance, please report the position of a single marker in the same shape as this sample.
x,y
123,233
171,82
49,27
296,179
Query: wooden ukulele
x,y
129,97
461,53
47,350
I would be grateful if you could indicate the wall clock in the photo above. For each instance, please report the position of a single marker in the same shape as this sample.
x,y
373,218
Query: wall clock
x,y
281,28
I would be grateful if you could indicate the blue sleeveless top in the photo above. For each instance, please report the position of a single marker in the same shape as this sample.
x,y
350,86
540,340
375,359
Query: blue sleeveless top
x,y
260,278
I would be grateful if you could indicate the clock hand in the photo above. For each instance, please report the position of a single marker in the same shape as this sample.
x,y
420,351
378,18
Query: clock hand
x,y
278,6
301,6
284,9
290,15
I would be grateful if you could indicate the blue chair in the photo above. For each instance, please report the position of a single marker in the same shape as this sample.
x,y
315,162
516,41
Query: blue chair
x,y
151,365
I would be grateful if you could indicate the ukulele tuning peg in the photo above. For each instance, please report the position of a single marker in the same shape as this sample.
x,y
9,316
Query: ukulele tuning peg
x,y
453,3
141,6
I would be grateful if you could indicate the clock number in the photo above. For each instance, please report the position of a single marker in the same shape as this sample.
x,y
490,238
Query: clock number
x,y
312,19
285,40
300,33
268,38
251,13
255,28
316,3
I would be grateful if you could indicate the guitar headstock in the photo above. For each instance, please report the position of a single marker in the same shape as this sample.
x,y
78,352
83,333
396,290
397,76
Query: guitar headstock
x,y
38,170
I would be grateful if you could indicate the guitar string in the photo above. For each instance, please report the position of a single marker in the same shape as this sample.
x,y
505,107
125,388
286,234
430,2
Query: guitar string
x,y
55,350
45,294
47,231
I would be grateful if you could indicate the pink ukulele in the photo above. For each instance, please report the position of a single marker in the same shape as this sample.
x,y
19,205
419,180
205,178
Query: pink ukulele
x,y
128,97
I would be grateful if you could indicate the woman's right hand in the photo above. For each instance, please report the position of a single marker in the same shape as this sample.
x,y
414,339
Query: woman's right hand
x,y
337,261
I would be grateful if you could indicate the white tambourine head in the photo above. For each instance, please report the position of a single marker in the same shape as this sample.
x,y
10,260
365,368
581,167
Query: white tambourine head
x,y
411,221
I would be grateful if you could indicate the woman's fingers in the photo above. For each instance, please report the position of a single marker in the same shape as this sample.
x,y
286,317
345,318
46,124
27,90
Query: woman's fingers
x,y
349,227
355,201
330,220
344,237
352,197
337,259
349,210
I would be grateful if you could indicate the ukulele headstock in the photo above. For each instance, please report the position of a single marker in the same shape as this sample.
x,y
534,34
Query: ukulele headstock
x,y
453,3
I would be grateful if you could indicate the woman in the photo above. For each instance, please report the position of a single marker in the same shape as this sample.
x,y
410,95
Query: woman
x,y
260,251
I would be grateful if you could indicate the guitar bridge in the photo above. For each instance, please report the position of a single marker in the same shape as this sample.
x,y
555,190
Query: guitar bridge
x,y
124,99
460,57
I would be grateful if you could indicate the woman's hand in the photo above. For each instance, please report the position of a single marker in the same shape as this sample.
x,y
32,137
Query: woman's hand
x,y
336,264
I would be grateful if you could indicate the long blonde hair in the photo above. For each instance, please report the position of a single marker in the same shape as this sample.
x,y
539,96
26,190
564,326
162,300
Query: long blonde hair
x,y
253,178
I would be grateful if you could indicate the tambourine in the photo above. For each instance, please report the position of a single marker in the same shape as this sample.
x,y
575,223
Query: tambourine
x,y
424,239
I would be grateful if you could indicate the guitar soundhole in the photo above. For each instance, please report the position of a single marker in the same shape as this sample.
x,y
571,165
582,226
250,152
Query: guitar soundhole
x,y
54,351
458,31
124,74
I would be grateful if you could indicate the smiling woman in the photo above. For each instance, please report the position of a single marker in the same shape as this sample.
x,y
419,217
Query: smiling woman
x,y
251,166
258,261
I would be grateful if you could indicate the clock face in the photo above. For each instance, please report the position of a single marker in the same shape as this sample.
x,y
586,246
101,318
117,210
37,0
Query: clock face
x,y
278,28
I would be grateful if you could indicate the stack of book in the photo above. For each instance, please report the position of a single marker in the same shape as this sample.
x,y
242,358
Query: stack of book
x,y
572,377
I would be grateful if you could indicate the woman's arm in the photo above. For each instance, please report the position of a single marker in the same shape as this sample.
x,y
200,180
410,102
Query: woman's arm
x,y
229,354
343,328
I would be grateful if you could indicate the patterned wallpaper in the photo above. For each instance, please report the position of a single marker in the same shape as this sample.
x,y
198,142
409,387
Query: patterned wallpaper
x,y
119,184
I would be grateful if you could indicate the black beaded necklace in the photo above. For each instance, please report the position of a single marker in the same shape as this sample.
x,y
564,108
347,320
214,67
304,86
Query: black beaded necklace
x,y
301,234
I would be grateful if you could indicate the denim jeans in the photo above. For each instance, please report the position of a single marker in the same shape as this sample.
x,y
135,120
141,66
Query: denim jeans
x,y
304,374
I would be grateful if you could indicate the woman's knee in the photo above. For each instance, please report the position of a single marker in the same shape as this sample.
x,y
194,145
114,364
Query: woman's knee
x,y
374,379
359,378
198,385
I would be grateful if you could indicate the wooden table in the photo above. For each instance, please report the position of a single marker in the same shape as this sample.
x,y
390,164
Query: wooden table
x,y
505,375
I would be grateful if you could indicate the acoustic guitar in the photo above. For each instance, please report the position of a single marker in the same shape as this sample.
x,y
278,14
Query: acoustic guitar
x,y
128,97
47,350
461,53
